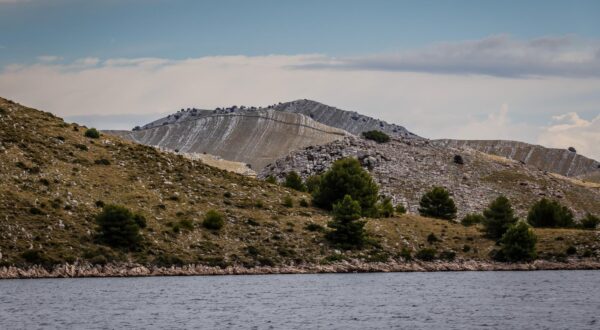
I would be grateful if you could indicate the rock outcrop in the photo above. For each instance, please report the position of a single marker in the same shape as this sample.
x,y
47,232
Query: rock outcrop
x,y
253,137
407,168
561,161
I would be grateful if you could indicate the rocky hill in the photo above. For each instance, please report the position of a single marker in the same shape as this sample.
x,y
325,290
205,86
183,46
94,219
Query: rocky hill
x,y
254,137
350,121
561,161
54,181
407,168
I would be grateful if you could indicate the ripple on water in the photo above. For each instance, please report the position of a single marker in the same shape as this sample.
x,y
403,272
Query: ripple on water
x,y
460,300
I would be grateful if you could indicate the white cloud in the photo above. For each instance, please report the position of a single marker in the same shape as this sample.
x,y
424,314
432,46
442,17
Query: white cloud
x,y
431,105
501,56
569,130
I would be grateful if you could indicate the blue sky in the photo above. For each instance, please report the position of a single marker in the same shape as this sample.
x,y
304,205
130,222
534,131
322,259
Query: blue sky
x,y
180,28
519,70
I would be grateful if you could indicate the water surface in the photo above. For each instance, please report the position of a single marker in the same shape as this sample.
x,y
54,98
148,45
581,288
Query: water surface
x,y
448,300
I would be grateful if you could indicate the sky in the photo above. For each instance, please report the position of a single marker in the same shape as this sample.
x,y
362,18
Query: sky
x,y
518,70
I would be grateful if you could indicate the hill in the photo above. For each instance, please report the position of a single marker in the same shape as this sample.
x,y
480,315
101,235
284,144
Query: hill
x,y
253,137
560,161
54,181
407,168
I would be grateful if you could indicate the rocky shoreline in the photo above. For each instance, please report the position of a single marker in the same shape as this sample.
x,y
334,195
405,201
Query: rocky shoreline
x,y
136,270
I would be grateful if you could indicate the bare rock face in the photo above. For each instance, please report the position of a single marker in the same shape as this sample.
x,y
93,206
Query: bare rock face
x,y
255,137
406,168
561,161
349,121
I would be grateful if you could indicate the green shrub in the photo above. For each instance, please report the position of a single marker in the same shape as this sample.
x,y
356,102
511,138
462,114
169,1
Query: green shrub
x,y
547,213
312,183
348,230
347,177
102,161
400,209
304,202
92,133
571,250
431,238
466,248
448,255
438,204
385,208
518,243
498,217
458,160
271,179
314,227
288,201
472,219
186,224
227,194
294,181
119,227
36,211
425,254
377,136
406,254
82,147
213,220
259,204
590,221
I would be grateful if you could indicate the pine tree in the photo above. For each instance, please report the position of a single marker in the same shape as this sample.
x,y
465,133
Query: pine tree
x,y
547,213
498,217
347,177
438,204
518,243
348,230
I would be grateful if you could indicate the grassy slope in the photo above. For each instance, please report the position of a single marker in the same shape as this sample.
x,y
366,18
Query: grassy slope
x,y
44,166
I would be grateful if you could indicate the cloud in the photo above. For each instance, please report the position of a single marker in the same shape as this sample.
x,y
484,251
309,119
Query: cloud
x,y
499,56
48,58
569,130
127,91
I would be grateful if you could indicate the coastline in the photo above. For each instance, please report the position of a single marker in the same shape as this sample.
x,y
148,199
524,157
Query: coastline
x,y
354,266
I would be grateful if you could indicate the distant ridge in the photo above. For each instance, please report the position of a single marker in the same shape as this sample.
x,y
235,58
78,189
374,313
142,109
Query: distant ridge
x,y
561,161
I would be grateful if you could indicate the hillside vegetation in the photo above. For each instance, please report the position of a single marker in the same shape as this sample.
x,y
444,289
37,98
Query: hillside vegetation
x,y
54,181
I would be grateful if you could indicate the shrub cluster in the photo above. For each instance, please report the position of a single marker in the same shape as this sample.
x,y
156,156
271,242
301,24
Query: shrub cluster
x,y
213,220
377,136
92,133
119,227
472,219
294,181
547,213
438,204
590,221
